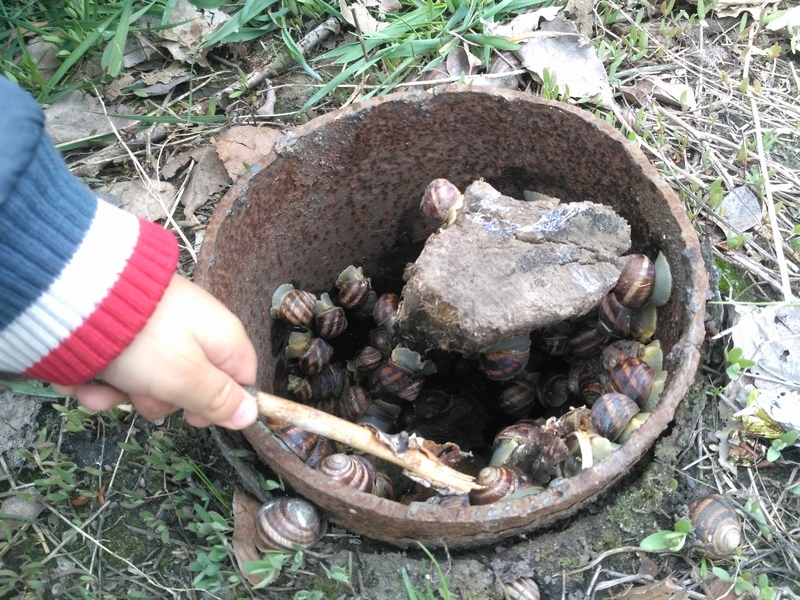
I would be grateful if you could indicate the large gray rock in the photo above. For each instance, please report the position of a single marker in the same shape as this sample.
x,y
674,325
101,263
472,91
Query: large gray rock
x,y
507,267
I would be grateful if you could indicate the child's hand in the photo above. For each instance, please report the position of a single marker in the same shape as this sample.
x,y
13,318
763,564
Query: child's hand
x,y
193,353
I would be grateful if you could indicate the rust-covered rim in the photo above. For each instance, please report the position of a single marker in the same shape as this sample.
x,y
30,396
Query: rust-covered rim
x,y
510,138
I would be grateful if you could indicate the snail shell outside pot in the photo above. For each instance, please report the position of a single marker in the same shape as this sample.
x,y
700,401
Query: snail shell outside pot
x,y
717,526
611,413
349,469
635,283
284,522
523,588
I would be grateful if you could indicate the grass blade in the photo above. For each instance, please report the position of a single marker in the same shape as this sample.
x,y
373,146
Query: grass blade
x,y
115,51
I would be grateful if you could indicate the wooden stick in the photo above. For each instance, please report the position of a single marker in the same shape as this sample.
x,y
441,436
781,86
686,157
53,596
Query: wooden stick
x,y
416,461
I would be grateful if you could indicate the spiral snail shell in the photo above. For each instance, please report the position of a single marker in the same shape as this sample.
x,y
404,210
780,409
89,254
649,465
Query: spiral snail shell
x,y
611,414
614,317
349,469
284,522
517,399
329,320
522,588
507,359
385,310
635,283
497,483
587,340
296,307
298,440
314,359
354,403
632,377
353,286
441,202
717,526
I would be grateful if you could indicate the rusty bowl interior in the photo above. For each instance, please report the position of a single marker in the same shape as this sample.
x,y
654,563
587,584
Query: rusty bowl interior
x,y
345,187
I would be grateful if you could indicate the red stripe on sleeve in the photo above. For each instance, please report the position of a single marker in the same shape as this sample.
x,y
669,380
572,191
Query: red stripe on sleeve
x,y
119,316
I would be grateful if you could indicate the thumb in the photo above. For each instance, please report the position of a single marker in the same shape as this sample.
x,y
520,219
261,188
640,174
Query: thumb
x,y
227,405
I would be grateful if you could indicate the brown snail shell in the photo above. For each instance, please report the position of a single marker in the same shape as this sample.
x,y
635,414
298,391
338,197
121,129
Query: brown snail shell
x,y
497,483
400,381
385,308
587,341
328,405
632,377
509,439
620,350
368,359
522,588
364,311
296,307
635,283
352,470
441,202
284,522
717,526
318,354
295,439
324,447
614,317
354,403
587,380
554,391
381,340
503,365
328,382
329,320
380,415
555,339
611,413
300,388
517,399
353,286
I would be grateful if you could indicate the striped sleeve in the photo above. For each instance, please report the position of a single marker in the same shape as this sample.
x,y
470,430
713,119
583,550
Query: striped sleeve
x,y
78,277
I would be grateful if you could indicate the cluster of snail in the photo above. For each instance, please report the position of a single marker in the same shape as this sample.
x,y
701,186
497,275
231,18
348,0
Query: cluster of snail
x,y
533,410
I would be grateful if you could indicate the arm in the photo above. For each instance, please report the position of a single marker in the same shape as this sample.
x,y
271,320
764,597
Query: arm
x,y
88,290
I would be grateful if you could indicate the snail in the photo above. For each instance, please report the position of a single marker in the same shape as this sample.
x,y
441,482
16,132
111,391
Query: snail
x,y
509,439
614,318
441,202
585,449
296,307
298,343
284,522
380,414
636,280
555,339
634,424
353,286
587,380
364,311
381,340
385,311
632,377
522,588
507,359
326,383
587,341
611,413
295,439
431,403
403,374
329,320
300,388
643,323
351,470
324,447
717,526
554,391
367,360
383,486
517,399
316,356
497,483
354,402
656,389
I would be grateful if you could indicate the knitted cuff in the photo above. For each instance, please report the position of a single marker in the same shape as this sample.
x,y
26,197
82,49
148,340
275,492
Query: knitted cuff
x,y
88,276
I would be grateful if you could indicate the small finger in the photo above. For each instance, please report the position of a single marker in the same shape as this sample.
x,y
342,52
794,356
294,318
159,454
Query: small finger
x,y
151,408
96,396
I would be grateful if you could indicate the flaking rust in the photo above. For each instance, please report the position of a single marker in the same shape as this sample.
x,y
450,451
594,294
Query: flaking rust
x,y
506,267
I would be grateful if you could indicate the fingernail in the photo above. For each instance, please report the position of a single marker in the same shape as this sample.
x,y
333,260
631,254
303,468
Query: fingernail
x,y
245,415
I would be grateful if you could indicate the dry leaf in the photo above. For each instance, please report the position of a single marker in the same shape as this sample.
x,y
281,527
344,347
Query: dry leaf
x,y
80,115
647,566
241,147
25,506
165,75
581,12
722,590
524,25
208,178
734,8
184,41
114,89
138,49
358,16
654,88
461,62
741,209
149,202
245,509
661,590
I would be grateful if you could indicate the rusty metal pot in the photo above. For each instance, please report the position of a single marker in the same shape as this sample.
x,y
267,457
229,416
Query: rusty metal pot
x,y
344,188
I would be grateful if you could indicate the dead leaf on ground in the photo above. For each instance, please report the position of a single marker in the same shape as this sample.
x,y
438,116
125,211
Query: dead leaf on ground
x,y
648,89
786,22
245,535
358,16
569,58
581,12
661,590
241,147
208,177
647,566
722,590
461,61
80,115
138,49
741,210
184,41
26,507
135,198
43,55
734,8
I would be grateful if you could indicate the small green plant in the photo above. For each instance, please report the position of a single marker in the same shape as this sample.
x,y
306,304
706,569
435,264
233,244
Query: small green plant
x,y
672,540
736,363
443,588
779,444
